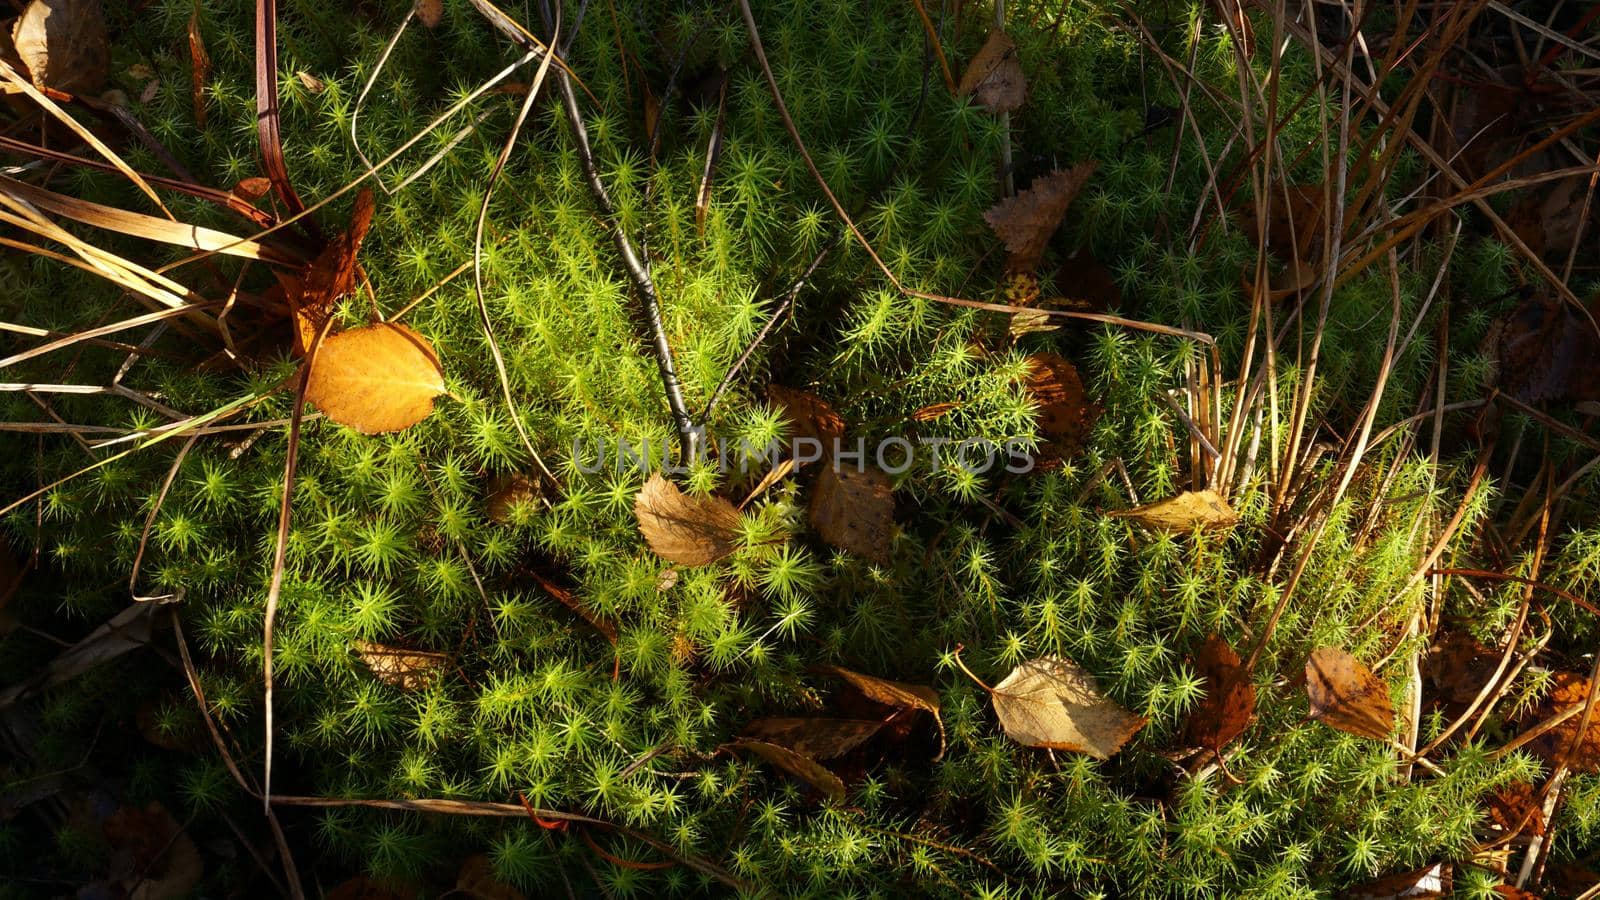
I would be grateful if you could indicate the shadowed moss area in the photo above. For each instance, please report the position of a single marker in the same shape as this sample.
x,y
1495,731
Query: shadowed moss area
x,y
391,540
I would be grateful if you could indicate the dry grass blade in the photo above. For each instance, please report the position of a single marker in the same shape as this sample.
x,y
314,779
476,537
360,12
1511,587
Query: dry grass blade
x,y
11,75
167,231
267,110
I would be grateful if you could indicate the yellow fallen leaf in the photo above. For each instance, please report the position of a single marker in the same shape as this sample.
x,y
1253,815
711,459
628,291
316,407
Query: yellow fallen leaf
x,y
1053,702
689,531
1185,512
382,377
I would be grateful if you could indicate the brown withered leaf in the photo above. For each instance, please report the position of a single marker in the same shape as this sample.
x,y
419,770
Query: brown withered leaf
x,y
408,670
1065,415
1344,694
1511,892
1019,289
809,416
853,509
818,738
315,291
63,44
893,693
477,881
1086,284
566,598
1546,350
804,768
151,856
1230,700
1026,222
430,12
1185,512
1459,667
1292,230
1551,217
1430,881
682,529
382,377
506,493
994,77
934,411
1053,702
1571,691
1516,807
199,68
253,188
311,82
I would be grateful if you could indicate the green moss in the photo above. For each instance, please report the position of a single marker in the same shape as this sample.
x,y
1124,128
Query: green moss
x,y
390,539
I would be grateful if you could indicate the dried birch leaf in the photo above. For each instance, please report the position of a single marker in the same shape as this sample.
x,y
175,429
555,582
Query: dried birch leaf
x,y
994,77
1230,701
804,768
818,738
1571,692
506,493
1346,695
430,12
379,378
1185,512
477,880
408,670
1026,222
1546,350
853,509
311,82
893,693
315,292
809,416
1065,415
689,531
151,856
63,44
1052,702
1517,808
253,188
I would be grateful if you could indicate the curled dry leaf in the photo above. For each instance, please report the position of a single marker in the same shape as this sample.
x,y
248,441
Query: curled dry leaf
x,y
477,881
809,416
1517,808
689,531
1292,231
379,378
804,768
1185,512
408,670
311,82
1026,222
1570,694
253,188
934,411
853,509
63,44
1065,415
1344,694
1459,667
893,693
1429,881
994,77
1546,350
315,290
430,12
1230,701
1053,702
817,738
